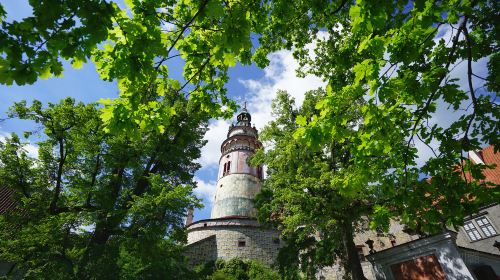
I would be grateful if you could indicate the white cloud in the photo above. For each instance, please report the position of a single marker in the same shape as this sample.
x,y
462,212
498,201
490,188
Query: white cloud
x,y
31,149
279,75
210,153
206,191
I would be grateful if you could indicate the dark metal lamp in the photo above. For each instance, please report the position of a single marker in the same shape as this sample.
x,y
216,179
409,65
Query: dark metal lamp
x,y
370,242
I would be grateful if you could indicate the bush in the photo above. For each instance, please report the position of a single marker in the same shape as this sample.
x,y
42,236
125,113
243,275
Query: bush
x,y
236,269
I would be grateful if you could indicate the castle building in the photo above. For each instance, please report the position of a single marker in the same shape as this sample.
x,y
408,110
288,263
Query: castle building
x,y
233,231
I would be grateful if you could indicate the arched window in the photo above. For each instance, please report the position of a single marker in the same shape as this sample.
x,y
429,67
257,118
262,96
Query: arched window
x,y
259,172
227,168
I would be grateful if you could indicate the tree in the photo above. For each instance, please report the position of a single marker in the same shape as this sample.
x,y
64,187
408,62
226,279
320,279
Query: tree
x,y
391,62
392,54
95,205
34,46
304,194
389,69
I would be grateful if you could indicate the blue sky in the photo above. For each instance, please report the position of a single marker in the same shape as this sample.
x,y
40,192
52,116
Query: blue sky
x,y
257,86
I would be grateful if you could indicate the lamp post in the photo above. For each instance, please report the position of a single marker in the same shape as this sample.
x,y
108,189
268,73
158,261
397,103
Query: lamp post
x,y
369,242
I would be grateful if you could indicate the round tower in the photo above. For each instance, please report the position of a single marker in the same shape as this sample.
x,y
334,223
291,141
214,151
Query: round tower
x,y
233,230
238,182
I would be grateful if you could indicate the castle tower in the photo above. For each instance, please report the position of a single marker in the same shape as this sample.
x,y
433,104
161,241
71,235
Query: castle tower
x,y
238,183
232,231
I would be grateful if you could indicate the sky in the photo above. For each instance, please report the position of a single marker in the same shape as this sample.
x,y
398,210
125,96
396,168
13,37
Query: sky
x,y
247,83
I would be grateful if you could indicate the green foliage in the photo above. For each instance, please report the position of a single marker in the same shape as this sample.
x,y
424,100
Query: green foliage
x,y
237,269
391,69
310,192
135,46
95,205
34,46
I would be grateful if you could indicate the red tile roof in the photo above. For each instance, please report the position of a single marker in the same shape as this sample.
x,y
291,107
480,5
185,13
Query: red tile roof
x,y
489,156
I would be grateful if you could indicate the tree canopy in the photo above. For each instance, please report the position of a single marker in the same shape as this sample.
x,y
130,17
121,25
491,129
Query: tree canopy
x,y
392,54
389,68
94,203
303,194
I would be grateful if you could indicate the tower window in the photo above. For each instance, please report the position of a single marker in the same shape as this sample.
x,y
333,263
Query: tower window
x,y
227,168
393,242
242,242
259,172
276,240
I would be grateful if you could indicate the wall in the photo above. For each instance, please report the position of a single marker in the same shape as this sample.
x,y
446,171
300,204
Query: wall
x,y
382,241
485,244
260,244
474,259
234,196
202,251
336,272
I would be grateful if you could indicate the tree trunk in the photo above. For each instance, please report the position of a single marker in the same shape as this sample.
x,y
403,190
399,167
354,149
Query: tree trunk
x,y
353,261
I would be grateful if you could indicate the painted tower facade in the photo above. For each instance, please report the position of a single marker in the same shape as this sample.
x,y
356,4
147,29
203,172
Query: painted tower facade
x,y
232,231
238,182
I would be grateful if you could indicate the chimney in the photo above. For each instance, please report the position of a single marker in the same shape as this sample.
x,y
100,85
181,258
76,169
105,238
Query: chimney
x,y
189,219
476,157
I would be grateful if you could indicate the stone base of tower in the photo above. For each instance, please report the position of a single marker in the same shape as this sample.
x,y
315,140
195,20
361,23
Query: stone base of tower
x,y
231,237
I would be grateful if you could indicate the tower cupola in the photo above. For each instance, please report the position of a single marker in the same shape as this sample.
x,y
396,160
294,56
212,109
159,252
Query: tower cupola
x,y
244,118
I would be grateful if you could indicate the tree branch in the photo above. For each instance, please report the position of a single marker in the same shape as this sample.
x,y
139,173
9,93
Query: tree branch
x,y
469,80
423,111
57,191
186,26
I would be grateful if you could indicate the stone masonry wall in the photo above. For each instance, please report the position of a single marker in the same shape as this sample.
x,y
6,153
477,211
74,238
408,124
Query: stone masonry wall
x,y
234,238
202,251
234,196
